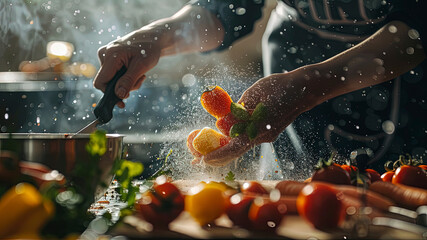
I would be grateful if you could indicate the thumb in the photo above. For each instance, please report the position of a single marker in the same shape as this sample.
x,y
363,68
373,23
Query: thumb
x,y
234,149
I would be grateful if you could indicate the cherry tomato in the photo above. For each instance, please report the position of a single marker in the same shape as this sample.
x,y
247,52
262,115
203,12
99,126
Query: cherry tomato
x,y
161,205
225,123
387,176
319,204
207,202
253,187
411,176
238,209
349,168
190,139
332,174
266,215
423,167
374,175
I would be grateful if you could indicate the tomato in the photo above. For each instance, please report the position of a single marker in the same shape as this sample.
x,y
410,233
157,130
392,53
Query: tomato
x,y
238,209
423,167
208,140
161,205
190,147
332,174
216,101
225,123
411,176
206,202
266,215
319,204
374,175
349,169
253,187
387,176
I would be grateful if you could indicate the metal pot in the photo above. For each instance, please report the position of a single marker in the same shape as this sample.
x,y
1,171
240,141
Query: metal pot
x,y
60,153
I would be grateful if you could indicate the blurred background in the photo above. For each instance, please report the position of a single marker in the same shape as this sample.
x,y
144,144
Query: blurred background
x,y
61,98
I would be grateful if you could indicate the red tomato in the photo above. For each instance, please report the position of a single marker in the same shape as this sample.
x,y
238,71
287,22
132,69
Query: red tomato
x,y
349,168
387,176
319,204
423,167
332,174
374,175
411,176
161,205
266,215
253,187
225,123
238,210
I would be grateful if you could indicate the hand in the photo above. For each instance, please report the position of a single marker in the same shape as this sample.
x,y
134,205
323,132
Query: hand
x,y
285,95
138,51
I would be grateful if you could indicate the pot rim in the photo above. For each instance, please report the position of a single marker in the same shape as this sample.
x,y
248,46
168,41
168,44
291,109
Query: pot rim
x,y
52,136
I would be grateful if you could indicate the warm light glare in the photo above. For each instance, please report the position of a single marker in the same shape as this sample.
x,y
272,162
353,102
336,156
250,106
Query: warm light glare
x,y
59,49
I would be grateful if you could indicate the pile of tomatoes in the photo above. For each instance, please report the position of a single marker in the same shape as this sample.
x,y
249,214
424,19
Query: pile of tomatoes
x,y
406,171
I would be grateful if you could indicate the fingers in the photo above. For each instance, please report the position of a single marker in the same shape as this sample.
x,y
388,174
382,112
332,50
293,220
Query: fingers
x,y
101,54
131,80
234,149
106,72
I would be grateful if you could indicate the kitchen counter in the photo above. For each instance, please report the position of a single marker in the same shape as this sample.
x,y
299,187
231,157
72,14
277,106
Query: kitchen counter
x,y
292,227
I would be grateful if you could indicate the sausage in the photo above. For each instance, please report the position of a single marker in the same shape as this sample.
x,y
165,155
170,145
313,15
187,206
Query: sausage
x,y
291,204
290,188
409,197
373,199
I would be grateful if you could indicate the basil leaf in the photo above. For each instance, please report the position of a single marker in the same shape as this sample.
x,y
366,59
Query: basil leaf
x,y
239,111
237,129
251,130
260,113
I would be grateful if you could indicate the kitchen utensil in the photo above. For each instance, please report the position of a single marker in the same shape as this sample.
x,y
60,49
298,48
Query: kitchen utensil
x,y
61,153
104,109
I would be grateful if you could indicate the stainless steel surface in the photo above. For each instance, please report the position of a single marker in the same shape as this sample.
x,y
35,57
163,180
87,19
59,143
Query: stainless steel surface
x,y
43,81
91,127
61,153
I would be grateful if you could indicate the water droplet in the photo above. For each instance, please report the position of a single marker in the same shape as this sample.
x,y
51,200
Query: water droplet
x,y
388,127
240,11
413,34
392,29
410,50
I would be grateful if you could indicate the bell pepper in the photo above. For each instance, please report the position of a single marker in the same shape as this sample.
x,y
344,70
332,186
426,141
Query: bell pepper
x,y
24,212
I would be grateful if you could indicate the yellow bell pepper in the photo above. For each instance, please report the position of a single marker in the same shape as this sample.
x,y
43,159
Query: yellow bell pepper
x,y
24,212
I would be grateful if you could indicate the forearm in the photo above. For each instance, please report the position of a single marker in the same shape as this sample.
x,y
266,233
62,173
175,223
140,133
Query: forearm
x,y
192,29
390,52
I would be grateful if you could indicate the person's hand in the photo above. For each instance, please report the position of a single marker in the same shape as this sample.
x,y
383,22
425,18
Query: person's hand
x,y
138,51
285,95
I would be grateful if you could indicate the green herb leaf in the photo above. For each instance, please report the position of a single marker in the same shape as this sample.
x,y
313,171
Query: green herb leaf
x,y
127,171
237,129
260,113
239,111
251,130
97,143
230,176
